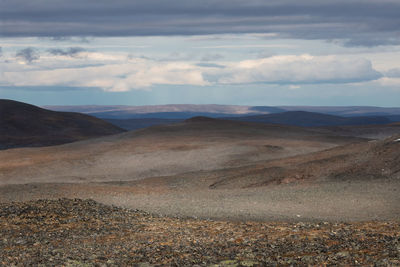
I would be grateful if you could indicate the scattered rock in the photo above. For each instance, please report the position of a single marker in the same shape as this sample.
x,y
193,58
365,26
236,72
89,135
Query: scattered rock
x,y
74,232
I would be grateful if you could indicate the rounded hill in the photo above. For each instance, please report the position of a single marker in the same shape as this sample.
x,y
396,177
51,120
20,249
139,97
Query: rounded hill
x,y
23,124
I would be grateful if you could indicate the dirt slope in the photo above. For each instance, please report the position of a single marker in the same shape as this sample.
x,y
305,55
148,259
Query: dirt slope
x,y
195,145
382,131
363,161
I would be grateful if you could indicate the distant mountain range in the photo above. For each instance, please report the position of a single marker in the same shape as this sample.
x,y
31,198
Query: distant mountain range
x,y
293,118
27,125
137,117
161,111
214,111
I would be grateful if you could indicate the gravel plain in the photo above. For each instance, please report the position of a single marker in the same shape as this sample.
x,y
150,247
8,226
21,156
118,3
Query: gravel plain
x,y
74,232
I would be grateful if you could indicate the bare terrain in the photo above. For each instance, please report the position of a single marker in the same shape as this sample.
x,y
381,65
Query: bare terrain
x,y
219,169
199,144
73,232
205,192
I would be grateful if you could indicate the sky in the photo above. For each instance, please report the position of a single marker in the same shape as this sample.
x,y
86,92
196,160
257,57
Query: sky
x,y
152,52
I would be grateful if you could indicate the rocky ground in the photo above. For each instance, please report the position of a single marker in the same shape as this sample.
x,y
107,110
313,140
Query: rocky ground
x,y
73,232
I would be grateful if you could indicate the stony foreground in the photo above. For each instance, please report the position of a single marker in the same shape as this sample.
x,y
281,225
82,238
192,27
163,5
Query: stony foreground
x,y
85,233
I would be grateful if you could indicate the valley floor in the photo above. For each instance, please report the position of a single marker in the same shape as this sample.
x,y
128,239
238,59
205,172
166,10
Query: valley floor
x,y
329,201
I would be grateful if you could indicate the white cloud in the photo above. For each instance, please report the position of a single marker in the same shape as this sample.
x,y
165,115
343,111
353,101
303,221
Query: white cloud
x,y
389,82
304,69
294,87
114,73
117,72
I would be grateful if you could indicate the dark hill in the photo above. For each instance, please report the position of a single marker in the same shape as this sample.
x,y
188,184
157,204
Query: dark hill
x,y
135,124
201,119
309,119
224,129
22,125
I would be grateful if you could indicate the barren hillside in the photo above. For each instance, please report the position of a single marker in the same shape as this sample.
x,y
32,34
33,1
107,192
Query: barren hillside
x,y
195,145
23,125
220,169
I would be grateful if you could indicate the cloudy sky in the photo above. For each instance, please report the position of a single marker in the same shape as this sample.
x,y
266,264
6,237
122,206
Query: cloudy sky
x,y
255,52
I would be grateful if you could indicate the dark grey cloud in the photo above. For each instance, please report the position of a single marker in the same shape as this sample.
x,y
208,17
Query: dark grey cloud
x,y
357,22
28,54
70,52
70,39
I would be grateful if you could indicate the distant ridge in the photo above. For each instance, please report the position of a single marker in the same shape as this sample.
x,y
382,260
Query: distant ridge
x,y
294,118
135,124
23,125
201,119
312,119
180,111
185,111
